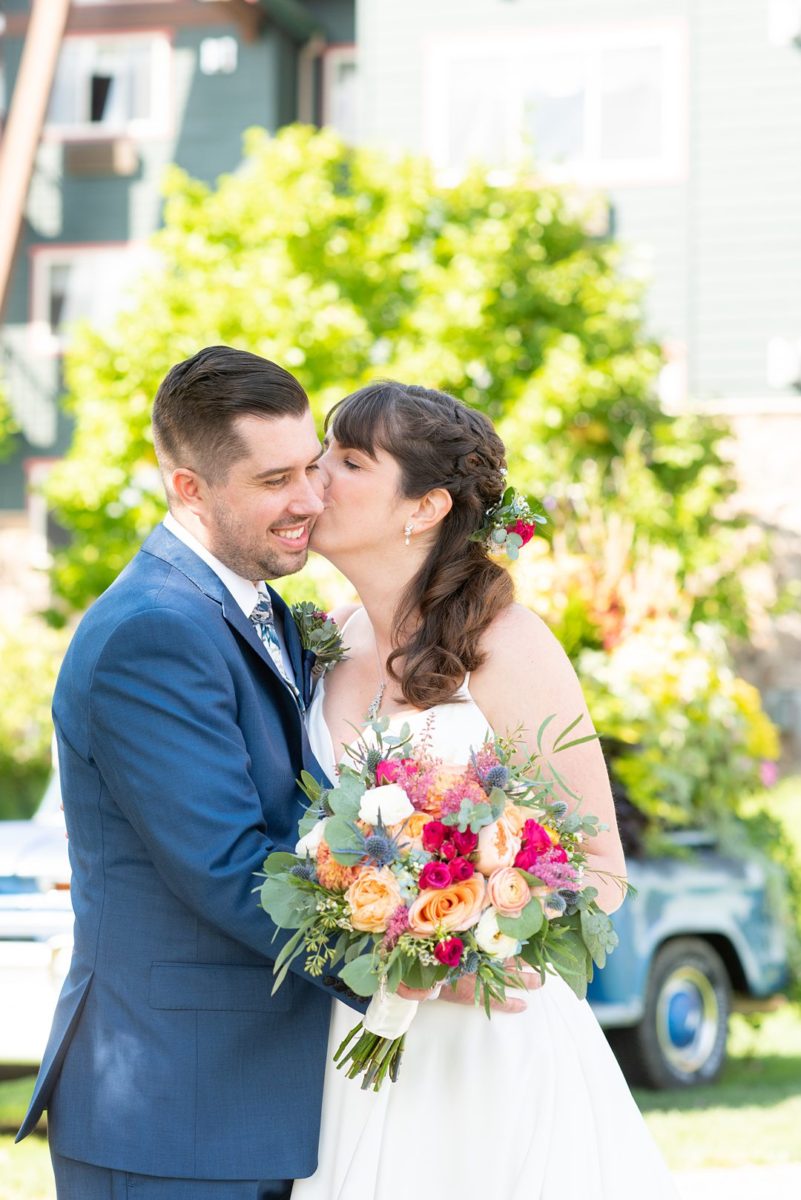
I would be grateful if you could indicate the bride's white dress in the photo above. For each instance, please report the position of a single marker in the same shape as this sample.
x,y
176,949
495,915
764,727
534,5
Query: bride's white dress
x,y
526,1106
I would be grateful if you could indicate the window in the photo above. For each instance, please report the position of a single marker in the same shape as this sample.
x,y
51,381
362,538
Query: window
x,y
109,85
72,283
602,107
340,91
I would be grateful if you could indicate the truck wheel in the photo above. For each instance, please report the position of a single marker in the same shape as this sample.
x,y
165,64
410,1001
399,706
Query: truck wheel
x,y
681,1039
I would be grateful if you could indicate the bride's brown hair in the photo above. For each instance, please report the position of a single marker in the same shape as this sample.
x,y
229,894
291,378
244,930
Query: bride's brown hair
x,y
437,442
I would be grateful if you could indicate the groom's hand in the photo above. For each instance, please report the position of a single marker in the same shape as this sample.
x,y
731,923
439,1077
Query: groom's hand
x,y
464,990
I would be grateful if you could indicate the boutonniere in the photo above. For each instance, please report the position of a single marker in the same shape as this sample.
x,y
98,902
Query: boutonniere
x,y
320,634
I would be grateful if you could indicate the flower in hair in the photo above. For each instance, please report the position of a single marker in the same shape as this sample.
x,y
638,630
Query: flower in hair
x,y
510,523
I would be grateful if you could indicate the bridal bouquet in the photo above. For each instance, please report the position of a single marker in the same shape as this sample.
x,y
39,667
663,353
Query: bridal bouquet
x,y
419,871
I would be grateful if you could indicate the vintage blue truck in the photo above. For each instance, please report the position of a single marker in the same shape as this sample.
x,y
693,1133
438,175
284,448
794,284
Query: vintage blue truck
x,y
699,933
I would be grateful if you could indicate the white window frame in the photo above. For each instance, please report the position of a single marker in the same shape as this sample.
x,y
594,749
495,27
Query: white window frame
x,y
332,57
669,166
44,339
159,124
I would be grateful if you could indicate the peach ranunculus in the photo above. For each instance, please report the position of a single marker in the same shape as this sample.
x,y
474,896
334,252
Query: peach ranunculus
x,y
373,897
448,909
410,831
508,891
497,846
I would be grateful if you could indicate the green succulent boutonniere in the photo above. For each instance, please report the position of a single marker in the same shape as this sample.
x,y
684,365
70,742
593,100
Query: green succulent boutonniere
x,y
320,634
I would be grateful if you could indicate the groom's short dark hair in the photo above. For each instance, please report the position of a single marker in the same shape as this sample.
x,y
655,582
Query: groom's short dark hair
x,y
200,398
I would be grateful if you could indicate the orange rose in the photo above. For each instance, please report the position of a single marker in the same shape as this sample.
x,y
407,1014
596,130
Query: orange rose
x,y
373,897
507,891
449,908
497,846
409,832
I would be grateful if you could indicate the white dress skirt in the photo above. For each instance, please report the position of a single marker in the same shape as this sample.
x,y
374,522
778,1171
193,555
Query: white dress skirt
x,y
522,1106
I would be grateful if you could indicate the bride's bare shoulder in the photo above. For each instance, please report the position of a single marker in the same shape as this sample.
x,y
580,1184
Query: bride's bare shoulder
x,y
343,613
524,662
517,630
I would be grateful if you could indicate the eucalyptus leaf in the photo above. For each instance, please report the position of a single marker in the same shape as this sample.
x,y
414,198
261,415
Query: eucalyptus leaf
x,y
345,840
359,975
524,926
279,861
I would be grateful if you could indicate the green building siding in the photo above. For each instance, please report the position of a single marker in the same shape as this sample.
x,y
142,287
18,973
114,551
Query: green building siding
x,y
210,113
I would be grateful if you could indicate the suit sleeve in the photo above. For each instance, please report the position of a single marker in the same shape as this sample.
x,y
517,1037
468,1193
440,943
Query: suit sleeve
x,y
164,734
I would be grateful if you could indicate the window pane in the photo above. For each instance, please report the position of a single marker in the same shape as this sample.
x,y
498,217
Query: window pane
x,y
102,82
554,107
343,98
478,112
631,103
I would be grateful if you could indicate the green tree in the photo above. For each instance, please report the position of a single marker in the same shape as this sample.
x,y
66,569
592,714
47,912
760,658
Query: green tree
x,y
8,426
345,265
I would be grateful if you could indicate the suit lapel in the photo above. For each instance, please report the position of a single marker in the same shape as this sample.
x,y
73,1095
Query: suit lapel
x,y
164,545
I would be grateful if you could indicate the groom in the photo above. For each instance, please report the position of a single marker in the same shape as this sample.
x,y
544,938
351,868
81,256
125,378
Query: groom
x,y
172,1072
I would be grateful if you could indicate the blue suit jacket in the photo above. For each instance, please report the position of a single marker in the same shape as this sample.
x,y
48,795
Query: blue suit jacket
x,y
179,746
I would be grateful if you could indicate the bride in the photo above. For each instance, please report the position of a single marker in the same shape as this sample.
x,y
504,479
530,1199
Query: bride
x,y
530,1103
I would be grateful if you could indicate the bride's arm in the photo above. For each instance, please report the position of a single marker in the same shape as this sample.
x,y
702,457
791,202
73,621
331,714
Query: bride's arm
x,y
525,678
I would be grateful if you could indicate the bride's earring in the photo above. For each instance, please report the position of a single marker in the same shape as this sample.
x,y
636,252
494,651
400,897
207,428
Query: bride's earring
x,y
407,533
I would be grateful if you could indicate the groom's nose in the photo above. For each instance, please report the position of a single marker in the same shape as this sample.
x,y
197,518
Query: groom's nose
x,y
308,499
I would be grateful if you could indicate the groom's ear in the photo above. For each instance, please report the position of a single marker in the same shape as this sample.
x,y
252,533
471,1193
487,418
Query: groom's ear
x,y
431,509
189,489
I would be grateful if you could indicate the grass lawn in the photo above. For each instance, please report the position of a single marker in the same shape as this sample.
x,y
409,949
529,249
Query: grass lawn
x,y
752,1116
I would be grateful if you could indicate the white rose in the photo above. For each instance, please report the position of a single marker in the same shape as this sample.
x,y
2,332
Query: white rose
x,y
310,841
390,799
490,938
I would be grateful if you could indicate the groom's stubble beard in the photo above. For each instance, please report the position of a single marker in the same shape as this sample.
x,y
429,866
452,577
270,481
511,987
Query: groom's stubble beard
x,y
237,544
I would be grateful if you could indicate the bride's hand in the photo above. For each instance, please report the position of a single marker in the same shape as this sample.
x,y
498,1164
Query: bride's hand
x,y
464,990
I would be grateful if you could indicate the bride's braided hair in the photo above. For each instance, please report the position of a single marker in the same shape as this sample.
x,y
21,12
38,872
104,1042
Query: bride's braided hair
x,y
437,442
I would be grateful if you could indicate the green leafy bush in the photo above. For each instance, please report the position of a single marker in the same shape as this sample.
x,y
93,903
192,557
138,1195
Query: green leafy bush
x,y
31,653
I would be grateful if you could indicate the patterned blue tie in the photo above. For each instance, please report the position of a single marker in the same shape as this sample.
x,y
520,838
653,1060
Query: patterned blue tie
x,y
263,620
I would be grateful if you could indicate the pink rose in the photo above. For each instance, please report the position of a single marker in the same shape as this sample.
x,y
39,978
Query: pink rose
x,y
449,952
387,771
526,860
466,842
508,891
434,835
435,875
557,854
522,529
536,837
447,850
497,846
460,869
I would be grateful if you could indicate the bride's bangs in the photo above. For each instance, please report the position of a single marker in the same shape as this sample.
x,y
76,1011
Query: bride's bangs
x,y
364,420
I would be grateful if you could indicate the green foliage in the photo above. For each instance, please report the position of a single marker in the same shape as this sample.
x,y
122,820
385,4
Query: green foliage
x,y
687,735
8,426
344,265
31,653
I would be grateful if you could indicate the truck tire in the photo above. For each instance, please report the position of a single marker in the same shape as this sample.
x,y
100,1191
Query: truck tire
x,y
681,1039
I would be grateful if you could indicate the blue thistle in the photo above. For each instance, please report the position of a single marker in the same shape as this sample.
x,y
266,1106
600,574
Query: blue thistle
x,y
304,871
470,963
380,849
556,901
496,777
558,810
373,758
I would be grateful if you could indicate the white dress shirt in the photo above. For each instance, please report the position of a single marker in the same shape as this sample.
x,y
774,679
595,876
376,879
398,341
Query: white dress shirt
x,y
244,591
